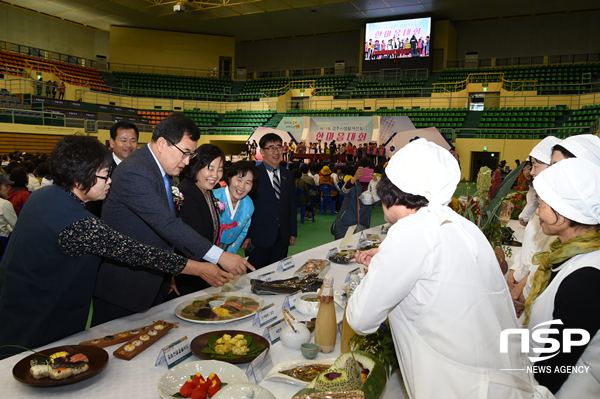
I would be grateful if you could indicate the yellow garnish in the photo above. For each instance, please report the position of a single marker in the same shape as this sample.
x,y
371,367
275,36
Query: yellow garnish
x,y
58,355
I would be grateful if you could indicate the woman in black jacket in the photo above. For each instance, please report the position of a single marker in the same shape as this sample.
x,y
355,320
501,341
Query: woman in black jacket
x,y
199,208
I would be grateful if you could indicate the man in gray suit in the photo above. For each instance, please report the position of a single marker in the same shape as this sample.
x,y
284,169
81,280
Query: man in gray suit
x,y
140,205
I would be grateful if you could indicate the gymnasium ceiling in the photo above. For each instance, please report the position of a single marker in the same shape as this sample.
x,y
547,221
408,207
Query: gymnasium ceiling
x,y
248,20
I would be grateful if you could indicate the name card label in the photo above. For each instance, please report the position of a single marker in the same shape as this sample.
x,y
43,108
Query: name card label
x,y
259,368
175,353
273,332
348,236
289,302
332,252
350,273
267,276
361,239
285,264
265,315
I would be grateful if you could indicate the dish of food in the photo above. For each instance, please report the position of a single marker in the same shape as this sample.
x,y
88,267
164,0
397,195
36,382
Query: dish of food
x,y
173,380
309,283
298,372
204,346
219,309
343,257
316,267
62,365
369,245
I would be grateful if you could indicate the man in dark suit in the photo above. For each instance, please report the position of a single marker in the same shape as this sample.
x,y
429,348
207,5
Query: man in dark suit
x,y
123,141
274,223
140,205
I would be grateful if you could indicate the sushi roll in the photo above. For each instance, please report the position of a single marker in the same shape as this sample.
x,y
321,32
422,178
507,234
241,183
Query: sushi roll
x,y
123,334
159,327
137,342
79,367
144,337
152,333
134,331
40,367
95,341
61,373
80,357
129,348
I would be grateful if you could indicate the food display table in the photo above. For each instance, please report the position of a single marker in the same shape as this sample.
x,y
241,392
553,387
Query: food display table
x,y
138,377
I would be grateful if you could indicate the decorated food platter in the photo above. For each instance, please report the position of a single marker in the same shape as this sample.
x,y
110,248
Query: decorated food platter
x,y
90,361
205,346
298,372
219,308
173,380
315,267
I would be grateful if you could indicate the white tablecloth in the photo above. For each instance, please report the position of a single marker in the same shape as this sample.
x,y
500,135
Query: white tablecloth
x,y
138,378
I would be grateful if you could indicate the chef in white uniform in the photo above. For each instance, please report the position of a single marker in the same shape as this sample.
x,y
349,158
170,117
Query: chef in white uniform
x,y
534,240
438,281
584,146
566,283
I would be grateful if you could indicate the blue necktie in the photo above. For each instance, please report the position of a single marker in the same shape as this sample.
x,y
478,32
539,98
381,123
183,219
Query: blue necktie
x,y
169,193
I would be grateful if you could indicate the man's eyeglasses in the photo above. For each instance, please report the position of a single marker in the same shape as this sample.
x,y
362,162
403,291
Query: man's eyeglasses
x,y
186,154
273,148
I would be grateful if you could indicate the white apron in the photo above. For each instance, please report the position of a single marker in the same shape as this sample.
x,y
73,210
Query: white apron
x,y
578,385
446,320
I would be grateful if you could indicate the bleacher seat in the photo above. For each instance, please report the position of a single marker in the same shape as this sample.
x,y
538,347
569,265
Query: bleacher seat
x,y
157,85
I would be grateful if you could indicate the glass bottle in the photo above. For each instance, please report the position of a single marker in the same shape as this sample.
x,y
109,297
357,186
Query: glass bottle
x,y
326,326
347,331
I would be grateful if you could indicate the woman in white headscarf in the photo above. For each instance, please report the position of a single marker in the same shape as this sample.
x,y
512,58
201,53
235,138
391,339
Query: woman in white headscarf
x,y
534,240
437,280
565,286
585,146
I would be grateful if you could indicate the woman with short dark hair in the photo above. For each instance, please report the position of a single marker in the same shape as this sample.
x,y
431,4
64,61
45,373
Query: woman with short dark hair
x,y
199,209
46,289
242,181
18,193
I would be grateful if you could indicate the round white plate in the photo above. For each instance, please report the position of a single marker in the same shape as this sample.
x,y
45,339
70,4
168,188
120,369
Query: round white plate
x,y
172,381
182,305
275,375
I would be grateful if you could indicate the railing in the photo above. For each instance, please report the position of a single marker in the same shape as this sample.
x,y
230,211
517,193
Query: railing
x,y
224,107
522,61
293,84
31,64
47,54
395,74
595,128
314,104
46,116
164,70
319,71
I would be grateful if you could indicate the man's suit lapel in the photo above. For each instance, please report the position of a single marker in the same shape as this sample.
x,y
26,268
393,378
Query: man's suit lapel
x,y
151,163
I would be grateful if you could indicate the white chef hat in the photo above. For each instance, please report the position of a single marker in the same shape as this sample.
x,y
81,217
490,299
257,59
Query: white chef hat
x,y
571,188
424,168
543,151
586,146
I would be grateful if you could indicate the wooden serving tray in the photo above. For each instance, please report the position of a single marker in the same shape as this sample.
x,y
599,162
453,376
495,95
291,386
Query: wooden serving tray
x,y
111,340
149,335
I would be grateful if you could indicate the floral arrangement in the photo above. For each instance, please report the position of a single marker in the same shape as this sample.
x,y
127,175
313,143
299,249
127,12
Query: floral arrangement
x,y
219,206
177,197
518,197
484,207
